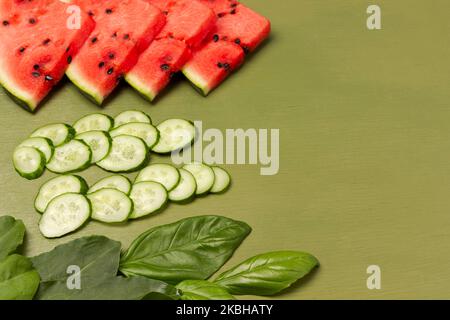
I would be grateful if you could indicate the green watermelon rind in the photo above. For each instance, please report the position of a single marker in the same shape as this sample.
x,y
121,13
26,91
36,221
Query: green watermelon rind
x,y
19,96
138,85
82,84
196,80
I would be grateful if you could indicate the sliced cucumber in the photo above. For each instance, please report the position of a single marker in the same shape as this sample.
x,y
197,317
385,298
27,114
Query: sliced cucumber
x,y
127,154
167,175
204,176
100,143
29,162
175,134
94,122
148,197
131,116
222,180
56,187
73,156
110,205
185,190
59,133
145,131
65,214
117,182
44,145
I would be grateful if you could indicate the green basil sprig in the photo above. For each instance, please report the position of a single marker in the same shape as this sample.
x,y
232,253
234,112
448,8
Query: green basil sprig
x,y
193,248
267,274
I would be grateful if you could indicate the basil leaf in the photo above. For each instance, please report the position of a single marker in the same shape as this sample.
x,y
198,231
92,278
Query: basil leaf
x,y
193,248
18,279
97,258
268,273
202,290
12,232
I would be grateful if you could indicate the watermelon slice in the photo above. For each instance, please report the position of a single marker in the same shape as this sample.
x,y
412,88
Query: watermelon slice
x,y
36,47
237,28
188,23
124,28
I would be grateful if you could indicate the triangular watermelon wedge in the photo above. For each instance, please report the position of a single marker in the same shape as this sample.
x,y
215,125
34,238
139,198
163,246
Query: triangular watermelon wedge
x,y
188,23
36,47
124,28
238,28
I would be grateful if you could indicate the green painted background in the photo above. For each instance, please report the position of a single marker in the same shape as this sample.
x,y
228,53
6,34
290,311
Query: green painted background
x,y
365,146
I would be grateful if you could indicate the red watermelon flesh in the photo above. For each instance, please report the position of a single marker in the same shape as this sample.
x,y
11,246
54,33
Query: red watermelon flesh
x,y
124,29
188,23
37,47
156,66
237,27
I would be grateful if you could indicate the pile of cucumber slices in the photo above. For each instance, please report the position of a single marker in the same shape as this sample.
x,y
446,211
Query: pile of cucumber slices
x,y
67,203
118,145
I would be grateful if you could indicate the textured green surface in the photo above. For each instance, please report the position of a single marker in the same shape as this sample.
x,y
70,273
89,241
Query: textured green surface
x,y
365,146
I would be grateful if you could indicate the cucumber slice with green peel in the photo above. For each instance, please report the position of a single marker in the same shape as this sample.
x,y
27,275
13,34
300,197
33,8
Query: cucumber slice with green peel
x,y
175,134
185,190
58,133
94,122
148,197
99,142
29,162
222,180
131,116
127,154
117,182
44,145
65,214
56,187
204,176
165,174
110,205
71,157
145,131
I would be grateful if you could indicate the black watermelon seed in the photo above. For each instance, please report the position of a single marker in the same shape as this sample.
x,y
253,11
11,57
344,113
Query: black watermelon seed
x,y
246,50
36,67
48,78
114,35
165,67
220,65
233,5
32,21
69,59
216,38
111,56
22,49
5,23
220,15
165,12
101,64
90,13
233,11
46,42
108,11
67,49
226,66
36,74
110,70
237,41
94,39
126,37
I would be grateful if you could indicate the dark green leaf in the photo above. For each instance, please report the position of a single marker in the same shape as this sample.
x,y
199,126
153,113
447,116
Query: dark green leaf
x,y
18,279
193,248
202,290
98,260
12,232
268,273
